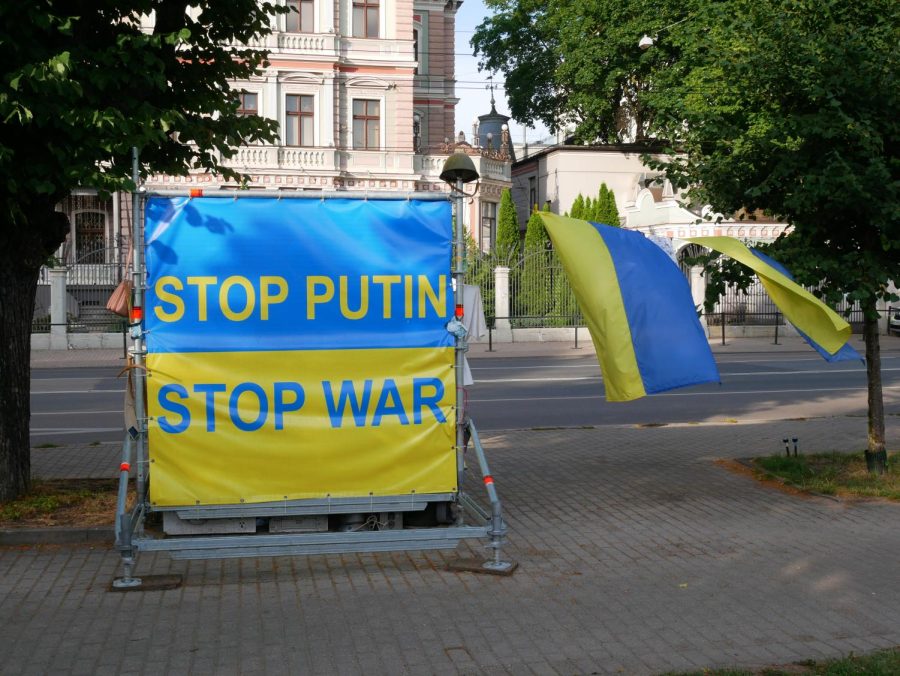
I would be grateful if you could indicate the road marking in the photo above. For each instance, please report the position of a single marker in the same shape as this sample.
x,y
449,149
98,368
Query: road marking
x,y
34,413
725,375
122,391
98,377
48,431
535,380
592,363
688,394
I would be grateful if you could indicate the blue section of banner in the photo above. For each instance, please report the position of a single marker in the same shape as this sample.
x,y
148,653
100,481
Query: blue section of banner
x,y
296,274
670,346
846,353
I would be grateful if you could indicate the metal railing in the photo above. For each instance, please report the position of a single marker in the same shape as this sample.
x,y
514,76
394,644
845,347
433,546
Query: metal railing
x,y
723,319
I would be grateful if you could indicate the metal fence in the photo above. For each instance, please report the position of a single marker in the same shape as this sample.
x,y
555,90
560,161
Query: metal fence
x,y
89,283
752,307
540,293
480,272
541,297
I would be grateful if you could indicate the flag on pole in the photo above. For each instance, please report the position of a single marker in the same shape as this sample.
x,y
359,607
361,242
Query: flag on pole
x,y
638,307
846,353
824,329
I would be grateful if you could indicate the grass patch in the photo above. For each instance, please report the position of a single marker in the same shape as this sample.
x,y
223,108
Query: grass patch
x,y
881,663
47,446
79,502
839,474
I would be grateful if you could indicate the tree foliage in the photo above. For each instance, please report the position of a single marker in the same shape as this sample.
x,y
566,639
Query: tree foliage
x,y
601,209
508,237
785,107
789,107
81,83
608,212
576,62
533,296
578,207
775,122
536,236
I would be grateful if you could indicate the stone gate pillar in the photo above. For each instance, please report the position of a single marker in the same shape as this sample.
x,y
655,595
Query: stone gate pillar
x,y
58,340
502,330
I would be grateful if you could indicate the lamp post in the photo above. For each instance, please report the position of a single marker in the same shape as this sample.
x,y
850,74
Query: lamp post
x,y
647,41
459,170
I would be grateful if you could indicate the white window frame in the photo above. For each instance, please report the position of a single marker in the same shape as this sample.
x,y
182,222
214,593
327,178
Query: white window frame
x,y
382,20
283,115
492,236
382,127
282,20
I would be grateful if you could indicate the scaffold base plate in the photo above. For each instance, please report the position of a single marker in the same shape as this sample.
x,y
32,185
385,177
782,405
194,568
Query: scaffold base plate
x,y
504,568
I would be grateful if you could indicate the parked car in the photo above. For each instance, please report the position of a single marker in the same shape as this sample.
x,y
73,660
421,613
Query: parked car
x,y
894,321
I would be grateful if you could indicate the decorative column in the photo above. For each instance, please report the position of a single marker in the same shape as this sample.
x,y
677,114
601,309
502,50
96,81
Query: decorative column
x,y
698,290
502,327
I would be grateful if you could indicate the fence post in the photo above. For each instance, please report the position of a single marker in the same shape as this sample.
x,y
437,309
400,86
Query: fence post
x,y
501,304
698,291
58,326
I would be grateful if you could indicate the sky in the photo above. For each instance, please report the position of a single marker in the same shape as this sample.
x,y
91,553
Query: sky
x,y
474,98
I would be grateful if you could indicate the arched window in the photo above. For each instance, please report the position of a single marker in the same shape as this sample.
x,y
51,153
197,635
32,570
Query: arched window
x,y
690,251
90,237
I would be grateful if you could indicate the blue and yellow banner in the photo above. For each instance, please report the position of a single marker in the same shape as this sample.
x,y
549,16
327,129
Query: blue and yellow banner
x,y
638,307
825,329
298,349
846,353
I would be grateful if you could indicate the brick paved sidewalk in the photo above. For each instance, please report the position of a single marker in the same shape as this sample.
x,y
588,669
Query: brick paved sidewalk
x,y
638,554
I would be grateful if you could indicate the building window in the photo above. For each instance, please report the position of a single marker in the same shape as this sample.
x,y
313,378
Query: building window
x,y
365,18
416,49
300,120
90,237
248,104
488,225
366,124
532,193
300,18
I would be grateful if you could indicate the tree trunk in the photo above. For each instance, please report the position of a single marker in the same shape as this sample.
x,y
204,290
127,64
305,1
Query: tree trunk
x,y
16,308
24,245
876,455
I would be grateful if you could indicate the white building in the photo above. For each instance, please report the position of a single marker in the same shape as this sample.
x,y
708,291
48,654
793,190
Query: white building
x,y
646,201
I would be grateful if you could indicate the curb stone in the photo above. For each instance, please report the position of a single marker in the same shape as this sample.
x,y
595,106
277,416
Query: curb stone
x,y
748,463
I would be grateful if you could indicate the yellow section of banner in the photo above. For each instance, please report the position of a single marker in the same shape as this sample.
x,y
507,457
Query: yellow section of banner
x,y
246,427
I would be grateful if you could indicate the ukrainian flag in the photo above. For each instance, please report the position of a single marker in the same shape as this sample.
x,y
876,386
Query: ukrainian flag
x,y
824,329
638,307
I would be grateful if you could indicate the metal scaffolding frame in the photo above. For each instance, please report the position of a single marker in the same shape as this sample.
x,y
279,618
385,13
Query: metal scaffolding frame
x,y
131,536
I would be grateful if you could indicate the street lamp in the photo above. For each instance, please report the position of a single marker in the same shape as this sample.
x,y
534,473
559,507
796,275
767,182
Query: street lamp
x,y
647,41
459,170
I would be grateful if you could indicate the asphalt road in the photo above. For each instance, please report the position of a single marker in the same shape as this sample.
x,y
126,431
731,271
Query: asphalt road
x,y
565,392
79,405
